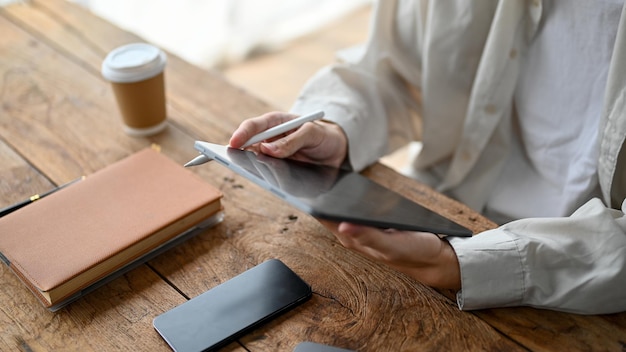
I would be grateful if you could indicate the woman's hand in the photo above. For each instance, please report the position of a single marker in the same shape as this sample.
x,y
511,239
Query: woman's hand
x,y
319,142
423,256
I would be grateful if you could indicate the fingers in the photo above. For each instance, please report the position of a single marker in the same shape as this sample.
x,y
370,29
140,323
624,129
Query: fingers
x,y
350,236
253,126
421,255
319,142
308,136
374,243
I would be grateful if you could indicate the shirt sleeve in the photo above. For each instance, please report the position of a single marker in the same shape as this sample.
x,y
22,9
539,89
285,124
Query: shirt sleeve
x,y
366,94
575,264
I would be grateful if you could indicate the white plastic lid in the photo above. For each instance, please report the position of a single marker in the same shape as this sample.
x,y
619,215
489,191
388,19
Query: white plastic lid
x,y
133,62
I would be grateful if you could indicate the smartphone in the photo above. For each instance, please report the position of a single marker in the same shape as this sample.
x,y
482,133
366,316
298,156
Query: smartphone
x,y
227,311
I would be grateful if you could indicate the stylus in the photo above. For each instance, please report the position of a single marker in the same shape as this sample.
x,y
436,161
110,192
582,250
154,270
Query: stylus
x,y
199,160
267,134
283,127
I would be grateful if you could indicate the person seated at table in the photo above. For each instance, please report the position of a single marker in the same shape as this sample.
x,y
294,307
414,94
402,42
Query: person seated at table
x,y
522,111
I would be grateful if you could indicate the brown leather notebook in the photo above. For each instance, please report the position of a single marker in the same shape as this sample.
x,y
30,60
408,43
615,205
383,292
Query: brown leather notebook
x,y
68,242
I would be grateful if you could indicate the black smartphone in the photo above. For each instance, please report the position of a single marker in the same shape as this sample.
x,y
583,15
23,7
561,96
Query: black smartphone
x,y
227,311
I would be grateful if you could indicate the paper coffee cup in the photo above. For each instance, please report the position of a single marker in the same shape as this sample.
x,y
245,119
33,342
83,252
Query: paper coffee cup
x,y
136,75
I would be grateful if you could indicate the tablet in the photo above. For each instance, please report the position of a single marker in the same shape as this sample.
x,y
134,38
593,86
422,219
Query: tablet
x,y
330,193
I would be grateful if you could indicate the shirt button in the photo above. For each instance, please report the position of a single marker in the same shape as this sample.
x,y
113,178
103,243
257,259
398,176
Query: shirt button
x,y
490,109
513,54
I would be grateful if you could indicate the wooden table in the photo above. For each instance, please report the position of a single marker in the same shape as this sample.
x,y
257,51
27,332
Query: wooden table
x,y
59,120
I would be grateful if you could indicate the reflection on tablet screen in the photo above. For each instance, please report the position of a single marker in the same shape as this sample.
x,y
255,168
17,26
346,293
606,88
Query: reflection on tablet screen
x,y
331,193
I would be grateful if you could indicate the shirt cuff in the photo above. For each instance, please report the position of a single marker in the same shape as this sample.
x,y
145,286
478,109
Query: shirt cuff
x,y
492,273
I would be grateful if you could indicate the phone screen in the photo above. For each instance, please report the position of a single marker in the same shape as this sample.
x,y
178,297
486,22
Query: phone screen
x,y
228,310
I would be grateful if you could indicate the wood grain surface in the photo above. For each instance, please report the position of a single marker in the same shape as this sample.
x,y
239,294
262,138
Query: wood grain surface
x,y
58,121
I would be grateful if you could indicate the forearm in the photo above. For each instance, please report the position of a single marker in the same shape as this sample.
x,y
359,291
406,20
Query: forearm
x,y
367,93
351,98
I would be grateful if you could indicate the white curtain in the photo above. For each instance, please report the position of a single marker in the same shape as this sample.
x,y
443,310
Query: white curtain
x,y
208,33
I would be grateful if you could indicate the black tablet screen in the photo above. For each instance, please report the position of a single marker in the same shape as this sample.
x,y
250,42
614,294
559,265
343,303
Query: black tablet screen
x,y
331,193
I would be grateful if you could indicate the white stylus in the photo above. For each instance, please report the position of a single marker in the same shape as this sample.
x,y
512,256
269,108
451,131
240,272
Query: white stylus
x,y
283,127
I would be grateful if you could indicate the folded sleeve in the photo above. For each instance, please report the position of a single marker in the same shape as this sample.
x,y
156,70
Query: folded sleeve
x,y
366,93
575,264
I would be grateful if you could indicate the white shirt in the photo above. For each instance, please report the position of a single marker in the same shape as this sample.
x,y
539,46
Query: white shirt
x,y
560,92
465,58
